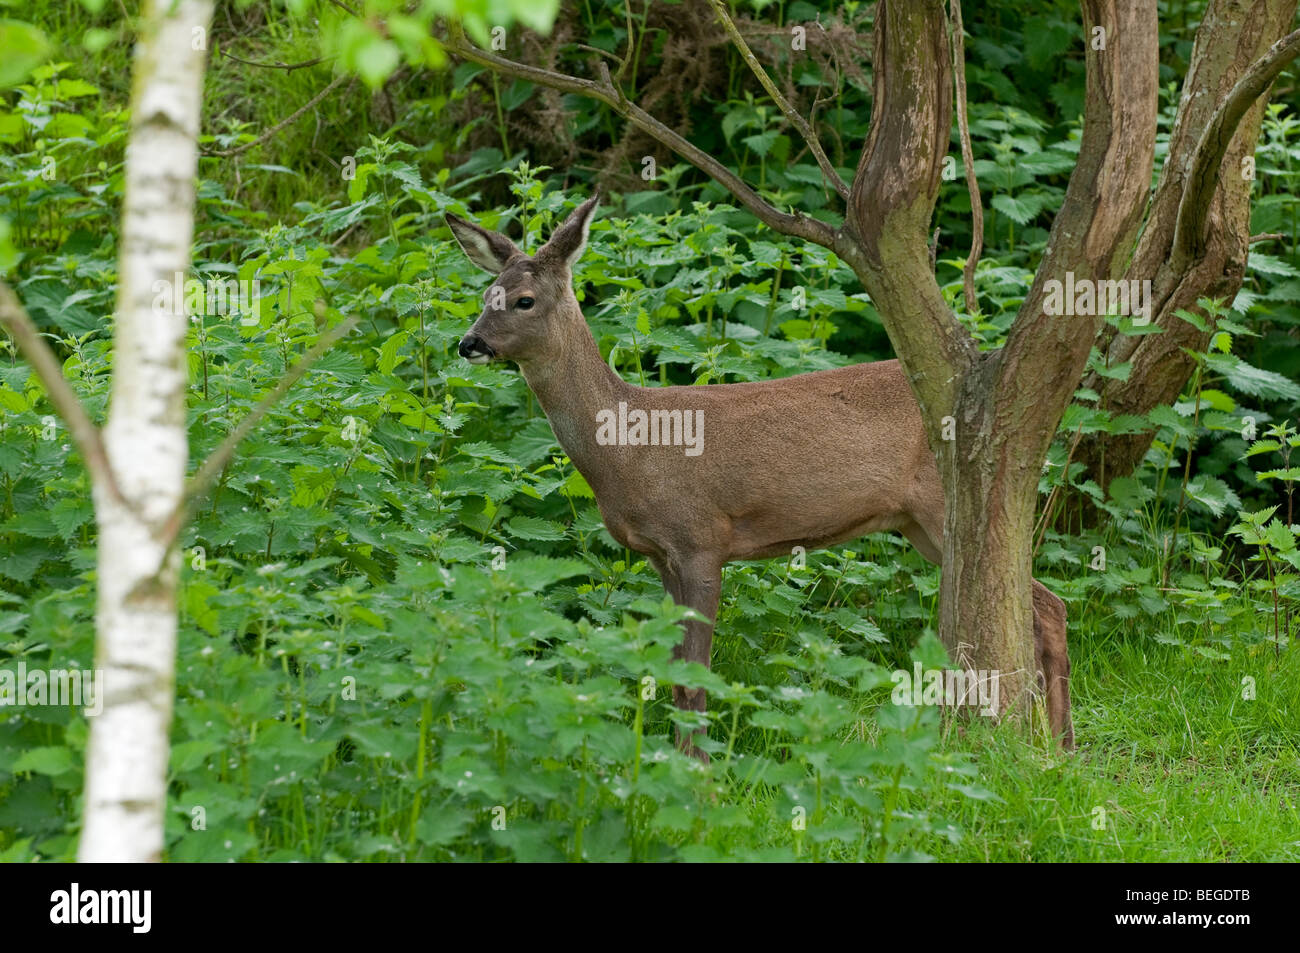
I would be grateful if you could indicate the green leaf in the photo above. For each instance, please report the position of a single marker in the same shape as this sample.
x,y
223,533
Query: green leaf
x,y
1045,163
189,755
1020,209
761,143
1262,446
485,451
1130,494
735,120
537,15
1252,380
518,93
1217,400
1166,416
48,760
442,824
1278,535
534,573
197,599
361,175
975,792
1269,265
8,253
13,401
22,48
577,485
388,356
532,527
73,88
1212,493
366,52
1290,475
851,621
382,741
1195,320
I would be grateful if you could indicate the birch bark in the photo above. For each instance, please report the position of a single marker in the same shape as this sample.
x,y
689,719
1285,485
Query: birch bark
x,y
126,769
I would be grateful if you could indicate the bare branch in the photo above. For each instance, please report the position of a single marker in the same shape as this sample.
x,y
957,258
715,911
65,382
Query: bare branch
x,y
287,67
626,61
210,471
1202,179
968,160
791,114
796,225
599,52
1265,237
1045,517
226,153
85,435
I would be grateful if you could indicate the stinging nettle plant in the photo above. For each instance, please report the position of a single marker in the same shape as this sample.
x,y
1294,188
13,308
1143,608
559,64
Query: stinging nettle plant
x,y
1007,402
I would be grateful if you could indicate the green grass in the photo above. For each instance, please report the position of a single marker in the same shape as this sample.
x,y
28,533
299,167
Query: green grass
x,y
1183,767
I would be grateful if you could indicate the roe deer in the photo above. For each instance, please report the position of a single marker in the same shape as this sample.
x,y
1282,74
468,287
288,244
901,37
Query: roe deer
x,y
810,460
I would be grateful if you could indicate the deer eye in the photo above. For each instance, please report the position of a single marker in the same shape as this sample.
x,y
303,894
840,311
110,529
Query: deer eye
x,y
524,304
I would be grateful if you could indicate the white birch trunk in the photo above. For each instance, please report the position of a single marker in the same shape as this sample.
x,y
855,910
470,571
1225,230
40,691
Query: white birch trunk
x,y
126,767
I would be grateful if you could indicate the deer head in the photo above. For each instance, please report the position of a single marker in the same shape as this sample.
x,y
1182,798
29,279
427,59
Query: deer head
x,y
531,306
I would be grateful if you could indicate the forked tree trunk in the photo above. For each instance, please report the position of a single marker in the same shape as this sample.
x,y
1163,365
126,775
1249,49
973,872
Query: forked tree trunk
x,y
1233,35
991,416
145,438
1000,411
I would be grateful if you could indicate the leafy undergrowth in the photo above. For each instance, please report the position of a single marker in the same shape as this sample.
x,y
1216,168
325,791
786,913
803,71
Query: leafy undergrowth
x,y
406,635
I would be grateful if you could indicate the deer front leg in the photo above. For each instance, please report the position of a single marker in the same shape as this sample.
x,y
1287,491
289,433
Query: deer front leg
x,y
695,582
1053,658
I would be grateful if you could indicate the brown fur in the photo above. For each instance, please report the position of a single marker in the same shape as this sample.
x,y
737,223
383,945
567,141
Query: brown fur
x,y
810,460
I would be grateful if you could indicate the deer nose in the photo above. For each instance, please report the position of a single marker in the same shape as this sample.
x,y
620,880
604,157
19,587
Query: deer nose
x,y
475,350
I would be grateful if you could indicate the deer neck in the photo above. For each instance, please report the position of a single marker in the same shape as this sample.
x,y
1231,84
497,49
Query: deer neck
x,y
573,383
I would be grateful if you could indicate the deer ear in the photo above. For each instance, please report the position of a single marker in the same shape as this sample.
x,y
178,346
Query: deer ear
x,y
569,239
489,250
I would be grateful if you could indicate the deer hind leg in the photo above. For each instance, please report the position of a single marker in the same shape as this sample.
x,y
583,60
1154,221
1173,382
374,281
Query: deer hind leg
x,y
695,582
1053,659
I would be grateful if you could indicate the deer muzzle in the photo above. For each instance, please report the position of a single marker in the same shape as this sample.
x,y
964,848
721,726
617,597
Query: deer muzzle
x,y
475,350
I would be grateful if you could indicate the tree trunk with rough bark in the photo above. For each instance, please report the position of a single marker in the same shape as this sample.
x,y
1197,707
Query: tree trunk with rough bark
x,y
990,416
1233,35
1003,406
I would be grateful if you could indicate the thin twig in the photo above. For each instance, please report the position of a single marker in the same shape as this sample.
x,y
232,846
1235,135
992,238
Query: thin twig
x,y
287,67
597,49
85,435
967,160
626,61
792,114
794,224
1265,237
210,471
834,96
226,153
1041,529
